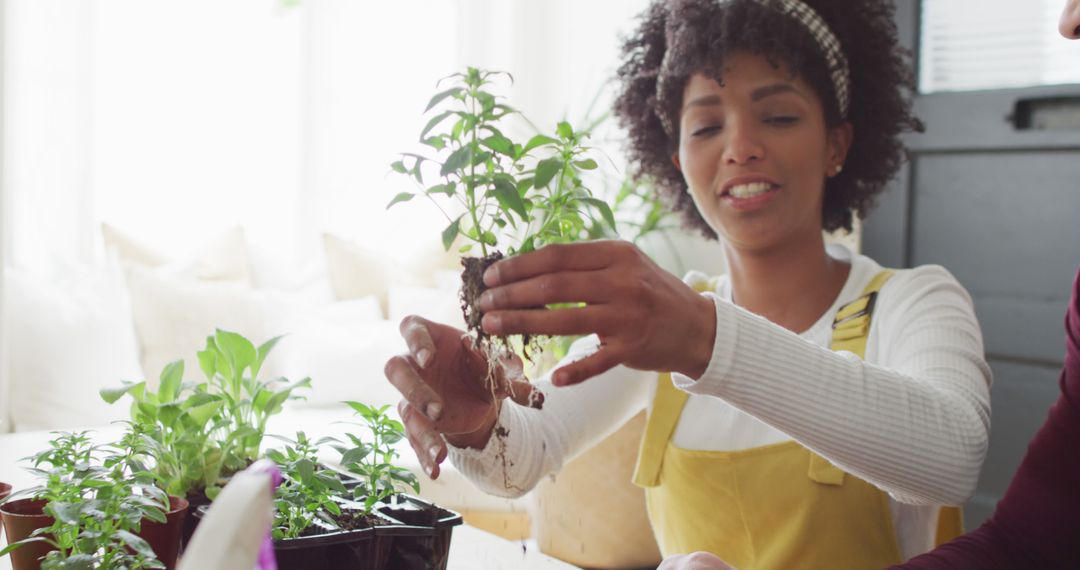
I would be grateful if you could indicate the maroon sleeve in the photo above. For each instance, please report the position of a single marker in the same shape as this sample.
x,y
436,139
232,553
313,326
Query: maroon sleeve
x,y
1037,523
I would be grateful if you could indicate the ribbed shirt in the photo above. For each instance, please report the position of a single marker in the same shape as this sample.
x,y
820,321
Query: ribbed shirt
x,y
913,418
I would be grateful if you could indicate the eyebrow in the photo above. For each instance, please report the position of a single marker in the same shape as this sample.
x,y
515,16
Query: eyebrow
x,y
774,89
755,96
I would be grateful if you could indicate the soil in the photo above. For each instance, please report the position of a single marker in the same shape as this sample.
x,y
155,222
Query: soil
x,y
493,347
347,520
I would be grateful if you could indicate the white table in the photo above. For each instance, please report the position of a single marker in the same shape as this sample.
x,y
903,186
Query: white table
x,y
470,548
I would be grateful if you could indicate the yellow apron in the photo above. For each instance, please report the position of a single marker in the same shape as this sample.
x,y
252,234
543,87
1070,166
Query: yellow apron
x,y
775,506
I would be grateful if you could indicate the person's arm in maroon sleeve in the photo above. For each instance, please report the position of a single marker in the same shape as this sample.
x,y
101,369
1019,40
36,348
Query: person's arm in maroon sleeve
x,y
1037,522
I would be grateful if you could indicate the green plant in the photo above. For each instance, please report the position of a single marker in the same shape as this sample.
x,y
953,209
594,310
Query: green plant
x,y
307,489
247,401
97,505
533,192
373,463
198,433
177,423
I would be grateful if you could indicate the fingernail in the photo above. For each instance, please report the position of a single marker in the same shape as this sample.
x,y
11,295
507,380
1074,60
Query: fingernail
x,y
491,276
423,357
491,323
484,302
433,411
427,469
433,453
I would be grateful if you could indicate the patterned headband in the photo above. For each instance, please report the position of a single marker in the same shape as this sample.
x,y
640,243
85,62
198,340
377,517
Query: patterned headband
x,y
819,30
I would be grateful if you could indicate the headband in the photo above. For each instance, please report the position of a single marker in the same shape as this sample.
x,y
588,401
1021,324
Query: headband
x,y
819,30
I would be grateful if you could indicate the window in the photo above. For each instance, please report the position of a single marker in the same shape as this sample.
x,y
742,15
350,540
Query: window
x,y
969,45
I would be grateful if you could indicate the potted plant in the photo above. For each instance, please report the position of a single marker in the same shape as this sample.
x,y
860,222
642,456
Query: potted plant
x,y
95,508
507,193
324,521
199,434
315,527
421,539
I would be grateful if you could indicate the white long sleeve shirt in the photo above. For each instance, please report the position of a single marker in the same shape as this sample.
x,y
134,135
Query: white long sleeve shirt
x,y
913,418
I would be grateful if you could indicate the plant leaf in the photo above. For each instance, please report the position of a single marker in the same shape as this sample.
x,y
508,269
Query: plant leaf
x,y
565,130
605,210
456,160
434,122
401,197
171,377
111,395
135,543
447,189
507,195
499,144
538,141
587,164
546,170
450,233
442,95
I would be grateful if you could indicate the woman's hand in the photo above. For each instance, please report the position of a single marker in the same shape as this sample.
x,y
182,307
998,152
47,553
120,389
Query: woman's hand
x,y
645,317
695,561
443,379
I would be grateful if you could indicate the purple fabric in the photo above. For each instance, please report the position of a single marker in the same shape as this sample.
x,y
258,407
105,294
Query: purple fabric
x,y
266,560
1037,523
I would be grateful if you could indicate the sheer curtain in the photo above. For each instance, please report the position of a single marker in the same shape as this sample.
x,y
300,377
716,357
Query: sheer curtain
x,y
177,119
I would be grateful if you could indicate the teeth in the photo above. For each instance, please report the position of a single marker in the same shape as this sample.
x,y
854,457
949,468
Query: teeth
x,y
748,190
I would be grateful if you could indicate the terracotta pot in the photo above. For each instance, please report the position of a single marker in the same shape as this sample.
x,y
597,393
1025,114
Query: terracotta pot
x,y
165,538
21,518
5,490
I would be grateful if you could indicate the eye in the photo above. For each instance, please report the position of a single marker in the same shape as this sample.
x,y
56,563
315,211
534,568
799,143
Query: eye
x,y
706,131
782,120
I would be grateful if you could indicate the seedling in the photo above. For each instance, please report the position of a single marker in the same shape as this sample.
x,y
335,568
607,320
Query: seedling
x,y
98,497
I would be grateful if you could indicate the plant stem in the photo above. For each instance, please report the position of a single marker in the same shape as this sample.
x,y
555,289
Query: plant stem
x,y
472,175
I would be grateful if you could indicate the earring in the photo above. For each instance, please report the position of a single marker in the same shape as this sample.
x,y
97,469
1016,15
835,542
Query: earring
x,y
839,169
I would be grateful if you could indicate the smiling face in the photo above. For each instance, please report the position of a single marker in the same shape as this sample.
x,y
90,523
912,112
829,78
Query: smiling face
x,y
755,153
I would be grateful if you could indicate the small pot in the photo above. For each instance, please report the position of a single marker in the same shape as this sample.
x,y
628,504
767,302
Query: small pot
x,y
196,500
21,518
5,490
422,540
165,538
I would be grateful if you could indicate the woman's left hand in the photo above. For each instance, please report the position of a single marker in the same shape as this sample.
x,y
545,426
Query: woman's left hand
x,y
646,318
695,561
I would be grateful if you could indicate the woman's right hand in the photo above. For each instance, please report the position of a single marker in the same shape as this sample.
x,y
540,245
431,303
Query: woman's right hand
x,y
446,396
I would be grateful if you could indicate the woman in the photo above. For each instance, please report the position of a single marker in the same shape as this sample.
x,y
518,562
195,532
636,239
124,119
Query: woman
x,y
818,407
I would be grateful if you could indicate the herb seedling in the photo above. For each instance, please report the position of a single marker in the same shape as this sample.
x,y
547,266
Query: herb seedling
x,y
307,490
373,463
177,424
199,433
97,506
248,401
530,194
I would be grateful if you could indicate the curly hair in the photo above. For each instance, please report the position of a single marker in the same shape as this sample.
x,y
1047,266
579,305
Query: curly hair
x,y
702,32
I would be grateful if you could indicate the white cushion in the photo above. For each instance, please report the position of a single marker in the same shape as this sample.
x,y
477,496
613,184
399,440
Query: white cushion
x,y
356,271
66,341
223,258
173,317
441,305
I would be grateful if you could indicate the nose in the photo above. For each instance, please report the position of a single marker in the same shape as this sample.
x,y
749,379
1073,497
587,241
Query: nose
x,y
1070,20
742,144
